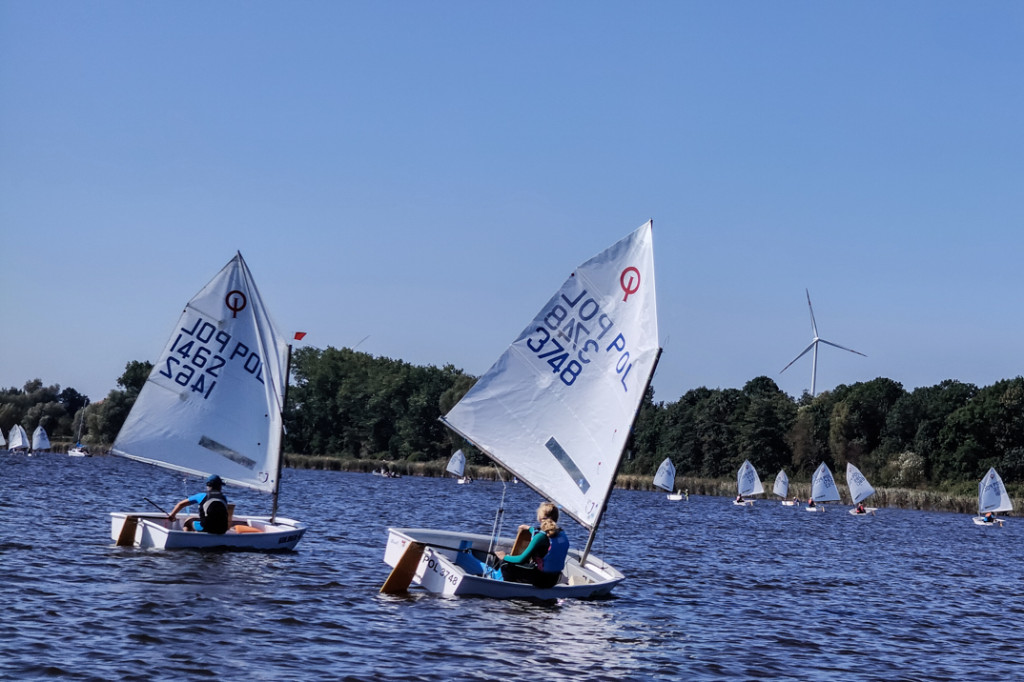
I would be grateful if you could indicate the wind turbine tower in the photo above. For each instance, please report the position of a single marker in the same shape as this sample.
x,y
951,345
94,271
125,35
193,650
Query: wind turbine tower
x,y
814,346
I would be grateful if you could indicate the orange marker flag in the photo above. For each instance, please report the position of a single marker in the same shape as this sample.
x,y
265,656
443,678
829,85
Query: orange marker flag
x,y
299,335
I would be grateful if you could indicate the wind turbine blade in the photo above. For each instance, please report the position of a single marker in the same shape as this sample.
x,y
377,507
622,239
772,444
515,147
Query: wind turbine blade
x,y
814,325
799,356
842,347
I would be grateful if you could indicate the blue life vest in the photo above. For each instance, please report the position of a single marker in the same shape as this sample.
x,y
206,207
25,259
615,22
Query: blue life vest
x,y
558,550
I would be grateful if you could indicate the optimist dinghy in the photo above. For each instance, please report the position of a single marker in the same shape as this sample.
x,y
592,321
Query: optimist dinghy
x,y
665,479
860,490
992,497
823,489
555,410
213,405
747,483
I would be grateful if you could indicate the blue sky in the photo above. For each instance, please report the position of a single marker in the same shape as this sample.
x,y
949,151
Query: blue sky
x,y
418,178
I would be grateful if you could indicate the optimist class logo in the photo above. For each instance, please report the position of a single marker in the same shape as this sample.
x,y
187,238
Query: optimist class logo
x,y
236,302
629,280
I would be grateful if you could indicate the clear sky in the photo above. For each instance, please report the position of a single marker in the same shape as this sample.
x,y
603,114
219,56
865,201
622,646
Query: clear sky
x,y
415,179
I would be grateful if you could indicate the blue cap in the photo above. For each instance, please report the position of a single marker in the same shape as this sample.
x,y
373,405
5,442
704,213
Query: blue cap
x,y
214,482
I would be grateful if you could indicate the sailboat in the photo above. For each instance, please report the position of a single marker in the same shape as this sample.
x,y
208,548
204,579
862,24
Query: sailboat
x,y
823,489
860,490
747,483
17,440
665,478
3,441
555,410
457,466
79,450
992,498
40,441
213,405
781,488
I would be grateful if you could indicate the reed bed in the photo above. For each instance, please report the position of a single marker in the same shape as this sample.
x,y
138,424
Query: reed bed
x,y
902,498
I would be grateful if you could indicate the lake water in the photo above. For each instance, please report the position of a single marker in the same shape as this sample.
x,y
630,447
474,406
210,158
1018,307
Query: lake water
x,y
712,591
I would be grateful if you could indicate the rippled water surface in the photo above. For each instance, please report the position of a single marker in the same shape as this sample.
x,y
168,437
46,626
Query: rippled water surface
x,y
712,590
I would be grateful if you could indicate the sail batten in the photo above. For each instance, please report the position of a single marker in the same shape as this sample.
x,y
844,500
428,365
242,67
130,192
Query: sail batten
x,y
557,406
213,402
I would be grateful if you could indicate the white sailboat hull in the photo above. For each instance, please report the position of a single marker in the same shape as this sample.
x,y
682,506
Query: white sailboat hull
x,y
438,573
867,511
980,521
815,509
675,497
154,532
788,503
744,503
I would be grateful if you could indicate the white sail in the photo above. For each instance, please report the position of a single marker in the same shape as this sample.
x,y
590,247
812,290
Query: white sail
x,y
18,439
823,486
214,399
556,408
860,489
781,487
666,476
457,464
747,480
3,441
40,441
992,495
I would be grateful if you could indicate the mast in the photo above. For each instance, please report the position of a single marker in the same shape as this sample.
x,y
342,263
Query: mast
x,y
280,441
611,483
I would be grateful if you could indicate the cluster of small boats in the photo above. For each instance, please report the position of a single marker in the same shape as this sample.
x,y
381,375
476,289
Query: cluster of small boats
x,y
992,495
18,443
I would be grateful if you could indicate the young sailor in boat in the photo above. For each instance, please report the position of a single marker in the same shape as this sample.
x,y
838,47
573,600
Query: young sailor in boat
x,y
990,518
810,502
541,563
213,509
860,508
739,498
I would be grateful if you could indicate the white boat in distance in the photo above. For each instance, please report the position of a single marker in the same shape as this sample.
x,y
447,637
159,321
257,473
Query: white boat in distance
x,y
17,440
823,489
555,410
665,478
860,490
747,483
457,467
781,488
213,405
992,498
40,441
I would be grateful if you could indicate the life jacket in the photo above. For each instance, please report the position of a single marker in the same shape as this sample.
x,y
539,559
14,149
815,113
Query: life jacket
x,y
558,549
213,513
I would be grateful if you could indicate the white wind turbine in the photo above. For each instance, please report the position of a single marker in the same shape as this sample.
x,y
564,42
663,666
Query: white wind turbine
x,y
814,346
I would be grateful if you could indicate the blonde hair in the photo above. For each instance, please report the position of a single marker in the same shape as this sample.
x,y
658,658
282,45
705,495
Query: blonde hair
x,y
548,514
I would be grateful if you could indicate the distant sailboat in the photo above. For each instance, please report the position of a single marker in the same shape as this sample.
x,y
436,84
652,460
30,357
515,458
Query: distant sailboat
x,y
214,404
860,489
40,441
556,410
457,466
781,488
17,440
992,498
823,489
3,441
665,479
748,483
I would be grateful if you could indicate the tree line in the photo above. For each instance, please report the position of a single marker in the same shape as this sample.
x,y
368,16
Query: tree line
x,y
352,405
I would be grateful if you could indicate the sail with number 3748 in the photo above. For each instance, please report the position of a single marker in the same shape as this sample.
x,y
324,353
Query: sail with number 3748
x,y
555,410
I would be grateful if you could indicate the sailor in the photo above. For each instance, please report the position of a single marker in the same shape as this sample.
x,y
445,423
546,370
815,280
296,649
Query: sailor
x,y
541,563
860,508
213,509
810,502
